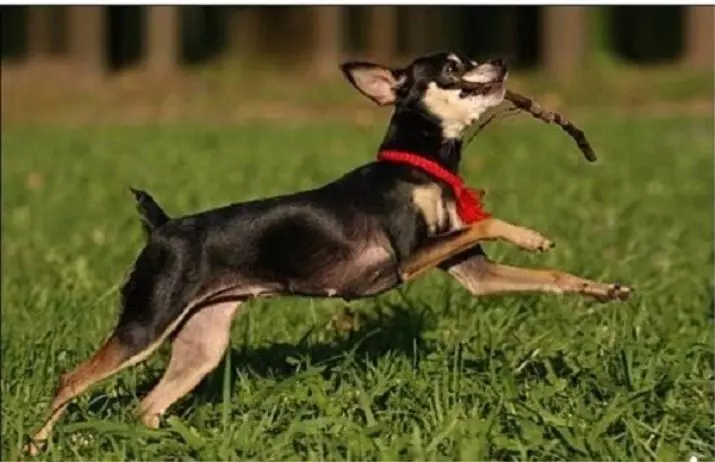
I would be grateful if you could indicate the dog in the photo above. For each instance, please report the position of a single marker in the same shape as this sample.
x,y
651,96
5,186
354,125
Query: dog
x,y
369,231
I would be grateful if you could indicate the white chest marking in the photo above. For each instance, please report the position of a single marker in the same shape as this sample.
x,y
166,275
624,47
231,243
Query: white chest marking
x,y
454,111
428,200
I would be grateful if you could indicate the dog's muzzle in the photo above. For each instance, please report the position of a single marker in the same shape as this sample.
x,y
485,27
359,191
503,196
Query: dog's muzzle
x,y
485,78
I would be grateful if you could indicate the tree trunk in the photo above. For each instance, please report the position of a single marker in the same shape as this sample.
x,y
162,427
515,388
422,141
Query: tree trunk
x,y
562,40
381,33
327,34
39,31
699,36
424,29
87,38
163,39
244,35
418,36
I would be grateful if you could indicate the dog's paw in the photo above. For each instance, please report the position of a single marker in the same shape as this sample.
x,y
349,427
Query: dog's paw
x,y
33,448
150,420
531,240
610,292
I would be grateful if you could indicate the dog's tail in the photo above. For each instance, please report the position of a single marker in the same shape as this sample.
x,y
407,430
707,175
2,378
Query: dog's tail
x,y
152,215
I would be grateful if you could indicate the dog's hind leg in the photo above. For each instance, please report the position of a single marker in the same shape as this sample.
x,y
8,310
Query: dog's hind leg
x,y
113,356
147,320
105,362
197,349
480,276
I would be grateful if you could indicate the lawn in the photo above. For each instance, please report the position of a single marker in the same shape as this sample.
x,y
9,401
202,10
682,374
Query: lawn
x,y
429,372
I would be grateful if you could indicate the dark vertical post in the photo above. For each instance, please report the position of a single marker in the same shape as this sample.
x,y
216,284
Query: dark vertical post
x,y
381,32
39,31
244,35
418,29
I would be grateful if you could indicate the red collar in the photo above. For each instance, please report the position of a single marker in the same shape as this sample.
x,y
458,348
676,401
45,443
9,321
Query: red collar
x,y
469,206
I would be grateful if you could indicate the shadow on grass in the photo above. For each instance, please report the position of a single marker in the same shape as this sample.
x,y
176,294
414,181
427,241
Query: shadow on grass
x,y
392,329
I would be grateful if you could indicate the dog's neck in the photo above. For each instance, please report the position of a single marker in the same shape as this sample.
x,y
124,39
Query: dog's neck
x,y
417,133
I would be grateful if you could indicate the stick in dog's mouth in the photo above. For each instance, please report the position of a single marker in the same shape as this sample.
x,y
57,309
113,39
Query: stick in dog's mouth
x,y
481,88
532,107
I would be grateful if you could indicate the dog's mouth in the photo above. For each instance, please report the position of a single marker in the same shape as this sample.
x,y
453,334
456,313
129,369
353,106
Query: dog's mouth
x,y
481,89
485,79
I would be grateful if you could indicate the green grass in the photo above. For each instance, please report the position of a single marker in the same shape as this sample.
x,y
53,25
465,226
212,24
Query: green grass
x,y
432,373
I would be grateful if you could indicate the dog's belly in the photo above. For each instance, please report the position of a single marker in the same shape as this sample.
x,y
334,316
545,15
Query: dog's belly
x,y
367,272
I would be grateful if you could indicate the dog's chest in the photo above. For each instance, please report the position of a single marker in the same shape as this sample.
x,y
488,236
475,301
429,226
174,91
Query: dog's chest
x,y
438,212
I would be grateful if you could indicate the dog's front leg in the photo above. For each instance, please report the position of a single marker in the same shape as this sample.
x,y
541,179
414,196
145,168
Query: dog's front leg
x,y
480,276
448,246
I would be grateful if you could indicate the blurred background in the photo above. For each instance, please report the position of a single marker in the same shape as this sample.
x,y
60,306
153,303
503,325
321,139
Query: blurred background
x,y
140,63
205,106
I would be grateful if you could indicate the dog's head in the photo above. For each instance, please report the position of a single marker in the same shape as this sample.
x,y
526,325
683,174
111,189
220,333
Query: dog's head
x,y
449,87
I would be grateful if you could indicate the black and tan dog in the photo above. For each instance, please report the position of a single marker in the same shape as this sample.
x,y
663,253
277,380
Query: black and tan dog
x,y
365,233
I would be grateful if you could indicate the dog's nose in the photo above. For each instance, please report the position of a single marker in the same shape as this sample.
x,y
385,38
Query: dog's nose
x,y
499,62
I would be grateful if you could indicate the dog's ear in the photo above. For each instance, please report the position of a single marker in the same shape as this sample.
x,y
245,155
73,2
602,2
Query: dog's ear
x,y
377,82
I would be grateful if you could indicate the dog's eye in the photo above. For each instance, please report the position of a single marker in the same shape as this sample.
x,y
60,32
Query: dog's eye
x,y
451,68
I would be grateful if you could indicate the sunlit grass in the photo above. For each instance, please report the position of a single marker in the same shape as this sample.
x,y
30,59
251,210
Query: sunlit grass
x,y
431,373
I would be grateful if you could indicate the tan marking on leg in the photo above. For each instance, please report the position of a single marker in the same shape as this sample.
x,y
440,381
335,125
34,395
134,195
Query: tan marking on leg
x,y
103,364
196,351
482,277
489,229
